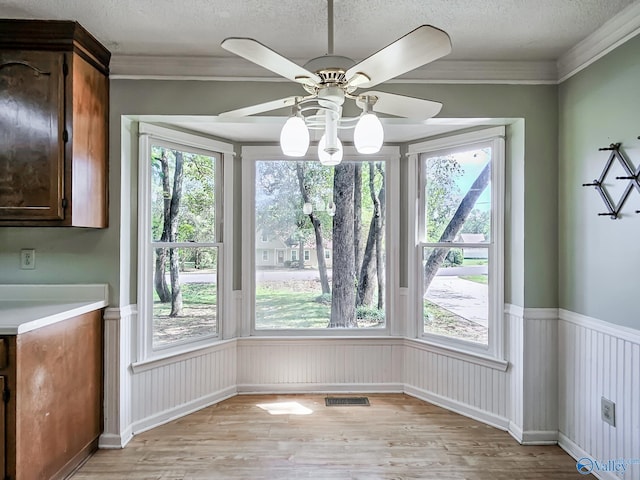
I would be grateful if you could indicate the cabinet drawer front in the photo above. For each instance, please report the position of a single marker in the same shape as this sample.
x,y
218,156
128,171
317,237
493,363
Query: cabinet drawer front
x,y
31,135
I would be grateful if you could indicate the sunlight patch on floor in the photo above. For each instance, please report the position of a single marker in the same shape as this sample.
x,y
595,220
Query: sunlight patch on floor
x,y
285,408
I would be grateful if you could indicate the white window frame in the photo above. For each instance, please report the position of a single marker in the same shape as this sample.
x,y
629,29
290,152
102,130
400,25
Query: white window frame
x,y
307,255
265,255
150,135
391,156
417,201
294,255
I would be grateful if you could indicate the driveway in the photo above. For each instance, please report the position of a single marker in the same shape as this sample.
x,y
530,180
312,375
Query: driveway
x,y
463,297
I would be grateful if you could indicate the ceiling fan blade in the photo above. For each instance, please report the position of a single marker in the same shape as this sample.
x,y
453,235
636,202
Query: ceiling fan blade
x,y
260,108
419,47
262,55
401,105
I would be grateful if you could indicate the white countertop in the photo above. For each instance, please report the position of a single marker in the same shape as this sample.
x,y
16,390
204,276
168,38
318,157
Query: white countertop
x,y
27,307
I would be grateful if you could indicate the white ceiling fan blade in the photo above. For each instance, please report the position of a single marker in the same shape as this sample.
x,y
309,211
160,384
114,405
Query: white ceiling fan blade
x,y
261,107
419,47
401,105
262,55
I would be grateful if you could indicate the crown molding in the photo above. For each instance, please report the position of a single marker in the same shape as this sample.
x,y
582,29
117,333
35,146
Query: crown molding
x,y
619,29
236,69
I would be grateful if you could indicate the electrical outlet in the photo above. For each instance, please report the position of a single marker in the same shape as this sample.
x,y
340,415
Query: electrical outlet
x,y
608,411
28,259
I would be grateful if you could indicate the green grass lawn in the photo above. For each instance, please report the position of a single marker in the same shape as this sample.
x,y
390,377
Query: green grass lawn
x,y
484,279
286,309
278,306
441,321
199,312
470,262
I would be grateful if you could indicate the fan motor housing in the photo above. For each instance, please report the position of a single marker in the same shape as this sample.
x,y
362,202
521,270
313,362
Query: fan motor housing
x,y
330,68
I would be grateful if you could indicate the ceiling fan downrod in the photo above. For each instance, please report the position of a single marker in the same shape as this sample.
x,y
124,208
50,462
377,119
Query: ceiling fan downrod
x,y
329,27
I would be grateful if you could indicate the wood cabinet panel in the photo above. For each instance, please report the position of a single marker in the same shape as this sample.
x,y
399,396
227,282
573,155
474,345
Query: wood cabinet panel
x,y
54,100
54,412
31,122
89,137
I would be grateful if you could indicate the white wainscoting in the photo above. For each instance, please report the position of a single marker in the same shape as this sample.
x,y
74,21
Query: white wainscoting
x,y
532,346
599,359
278,365
119,325
548,390
463,386
166,389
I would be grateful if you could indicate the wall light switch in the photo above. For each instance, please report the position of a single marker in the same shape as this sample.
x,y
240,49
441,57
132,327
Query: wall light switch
x,y
28,259
608,411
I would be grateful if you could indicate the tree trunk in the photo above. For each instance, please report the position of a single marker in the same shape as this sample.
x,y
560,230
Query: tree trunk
x,y
455,225
380,224
343,299
160,279
176,293
367,270
174,258
373,262
317,230
357,215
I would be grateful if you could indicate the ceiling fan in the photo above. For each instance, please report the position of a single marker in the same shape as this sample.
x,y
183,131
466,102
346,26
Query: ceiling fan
x,y
330,79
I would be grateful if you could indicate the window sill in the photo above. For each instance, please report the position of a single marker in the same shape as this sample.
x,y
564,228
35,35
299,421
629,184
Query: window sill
x,y
467,356
176,355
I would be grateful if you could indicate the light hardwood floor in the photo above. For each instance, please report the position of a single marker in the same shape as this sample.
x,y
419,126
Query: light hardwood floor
x,y
397,437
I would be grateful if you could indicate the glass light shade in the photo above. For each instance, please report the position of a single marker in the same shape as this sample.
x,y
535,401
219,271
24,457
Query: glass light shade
x,y
324,157
368,135
307,208
294,137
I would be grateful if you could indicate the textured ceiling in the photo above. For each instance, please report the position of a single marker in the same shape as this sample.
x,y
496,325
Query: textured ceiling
x,y
480,29
137,32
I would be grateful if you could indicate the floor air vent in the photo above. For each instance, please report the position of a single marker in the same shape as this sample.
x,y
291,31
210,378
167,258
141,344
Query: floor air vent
x,y
346,401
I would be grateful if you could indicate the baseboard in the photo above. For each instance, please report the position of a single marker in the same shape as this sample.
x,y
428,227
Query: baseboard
x,y
577,452
533,437
457,407
284,388
181,410
76,461
111,441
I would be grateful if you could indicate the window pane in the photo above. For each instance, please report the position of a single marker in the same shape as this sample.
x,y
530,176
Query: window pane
x,y
183,207
458,196
324,268
185,294
456,302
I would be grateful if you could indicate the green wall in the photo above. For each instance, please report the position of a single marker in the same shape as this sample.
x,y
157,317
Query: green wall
x,y
599,257
79,256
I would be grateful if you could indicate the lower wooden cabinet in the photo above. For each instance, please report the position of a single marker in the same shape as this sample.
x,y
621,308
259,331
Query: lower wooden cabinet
x,y
53,397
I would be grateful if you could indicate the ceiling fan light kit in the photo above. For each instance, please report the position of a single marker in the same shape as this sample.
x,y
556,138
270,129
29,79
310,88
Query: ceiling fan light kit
x,y
330,79
294,136
368,135
329,159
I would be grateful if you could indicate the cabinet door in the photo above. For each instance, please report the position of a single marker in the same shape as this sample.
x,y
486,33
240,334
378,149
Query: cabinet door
x,y
31,140
3,426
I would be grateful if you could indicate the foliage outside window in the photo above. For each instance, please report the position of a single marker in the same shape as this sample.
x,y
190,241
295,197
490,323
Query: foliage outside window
x,y
180,248
341,281
460,217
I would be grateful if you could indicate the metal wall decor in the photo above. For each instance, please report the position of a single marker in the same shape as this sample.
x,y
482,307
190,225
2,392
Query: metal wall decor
x,y
633,177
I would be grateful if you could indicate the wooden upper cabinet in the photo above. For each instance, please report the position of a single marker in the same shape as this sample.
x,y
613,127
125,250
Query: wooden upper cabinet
x,y
54,107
